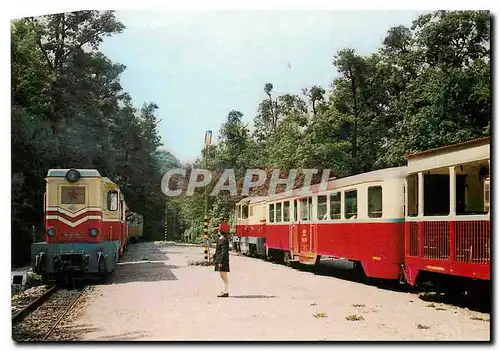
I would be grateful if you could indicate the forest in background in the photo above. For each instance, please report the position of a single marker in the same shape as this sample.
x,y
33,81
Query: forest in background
x,y
426,86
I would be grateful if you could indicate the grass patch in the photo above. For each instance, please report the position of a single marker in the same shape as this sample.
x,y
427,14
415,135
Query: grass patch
x,y
313,304
420,326
430,305
200,263
354,317
320,315
440,309
358,305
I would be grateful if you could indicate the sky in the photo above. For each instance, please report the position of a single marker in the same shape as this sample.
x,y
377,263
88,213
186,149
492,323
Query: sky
x,y
198,66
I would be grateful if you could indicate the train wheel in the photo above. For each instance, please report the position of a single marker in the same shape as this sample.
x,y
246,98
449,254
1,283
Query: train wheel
x,y
286,258
268,255
359,272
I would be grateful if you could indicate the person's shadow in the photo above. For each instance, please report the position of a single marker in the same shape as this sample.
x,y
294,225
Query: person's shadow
x,y
252,296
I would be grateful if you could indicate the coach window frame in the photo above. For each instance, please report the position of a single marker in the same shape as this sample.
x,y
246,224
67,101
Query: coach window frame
x,y
370,213
325,216
347,191
286,212
271,218
293,210
279,212
340,213
309,207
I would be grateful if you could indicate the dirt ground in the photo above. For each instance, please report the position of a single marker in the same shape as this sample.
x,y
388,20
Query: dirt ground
x,y
156,295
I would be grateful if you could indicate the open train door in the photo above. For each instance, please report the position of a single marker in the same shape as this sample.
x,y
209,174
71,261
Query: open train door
x,y
294,239
303,232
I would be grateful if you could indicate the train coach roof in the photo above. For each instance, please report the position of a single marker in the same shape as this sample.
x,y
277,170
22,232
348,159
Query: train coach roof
x,y
449,148
450,155
252,199
333,183
83,172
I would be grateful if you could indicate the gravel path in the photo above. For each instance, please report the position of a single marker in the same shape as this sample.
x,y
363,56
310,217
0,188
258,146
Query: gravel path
x,y
156,295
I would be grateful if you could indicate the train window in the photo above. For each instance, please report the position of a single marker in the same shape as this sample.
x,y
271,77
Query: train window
x,y
305,209
244,211
472,188
437,193
487,195
412,195
271,213
295,210
335,205
278,212
322,209
286,211
351,204
375,202
73,195
112,200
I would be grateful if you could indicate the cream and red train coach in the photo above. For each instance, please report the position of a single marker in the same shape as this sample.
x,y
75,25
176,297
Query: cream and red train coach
x,y
447,219
358,218
426,221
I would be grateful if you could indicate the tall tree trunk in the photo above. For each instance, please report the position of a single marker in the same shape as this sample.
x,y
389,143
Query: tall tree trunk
x,y
355,113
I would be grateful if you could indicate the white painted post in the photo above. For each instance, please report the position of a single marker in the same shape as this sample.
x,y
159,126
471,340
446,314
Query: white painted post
x,y
420,194
453,191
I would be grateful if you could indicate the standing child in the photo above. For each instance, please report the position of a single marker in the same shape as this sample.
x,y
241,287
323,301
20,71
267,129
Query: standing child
x,y
221,257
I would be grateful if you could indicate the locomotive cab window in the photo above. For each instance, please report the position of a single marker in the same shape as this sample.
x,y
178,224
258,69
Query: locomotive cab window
x,y
322,209
335,205
375,202
271,213
351,204
244,211
113,200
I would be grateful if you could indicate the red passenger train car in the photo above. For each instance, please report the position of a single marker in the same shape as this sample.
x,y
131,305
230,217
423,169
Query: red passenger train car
x,y
428,220
447,221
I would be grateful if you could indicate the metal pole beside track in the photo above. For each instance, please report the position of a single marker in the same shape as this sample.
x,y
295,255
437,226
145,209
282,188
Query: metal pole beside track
x,y
166,218
208,140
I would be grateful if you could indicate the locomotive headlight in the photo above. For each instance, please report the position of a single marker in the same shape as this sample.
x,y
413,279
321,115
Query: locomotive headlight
x,y
93,232
73,176
51,231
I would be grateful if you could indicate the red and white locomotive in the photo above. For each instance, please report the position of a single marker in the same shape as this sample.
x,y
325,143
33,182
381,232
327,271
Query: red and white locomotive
x,y
86,225
429,220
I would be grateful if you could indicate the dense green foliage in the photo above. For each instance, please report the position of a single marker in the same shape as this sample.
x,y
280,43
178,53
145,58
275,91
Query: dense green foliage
x,y
426,86
69,110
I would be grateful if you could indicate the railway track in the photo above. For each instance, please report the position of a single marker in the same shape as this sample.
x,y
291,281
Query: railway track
x,y
39,320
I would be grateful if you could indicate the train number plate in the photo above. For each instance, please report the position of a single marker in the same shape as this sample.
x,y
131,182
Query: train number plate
x,y
73,235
